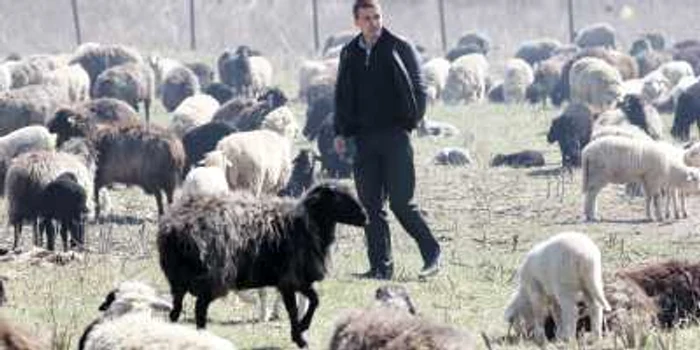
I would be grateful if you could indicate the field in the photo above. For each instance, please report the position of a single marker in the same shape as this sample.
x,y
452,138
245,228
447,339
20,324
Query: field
x,y
485,218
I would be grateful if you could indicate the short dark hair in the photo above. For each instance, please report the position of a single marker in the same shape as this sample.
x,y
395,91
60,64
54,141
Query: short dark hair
x,y
359,4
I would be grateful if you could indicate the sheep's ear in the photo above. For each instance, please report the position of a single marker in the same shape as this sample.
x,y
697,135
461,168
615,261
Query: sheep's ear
x,y
109,299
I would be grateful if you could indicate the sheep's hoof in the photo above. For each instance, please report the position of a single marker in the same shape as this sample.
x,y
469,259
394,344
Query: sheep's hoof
x,y
299,340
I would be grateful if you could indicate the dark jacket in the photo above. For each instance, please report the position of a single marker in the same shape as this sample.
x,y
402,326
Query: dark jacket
x,y
382,91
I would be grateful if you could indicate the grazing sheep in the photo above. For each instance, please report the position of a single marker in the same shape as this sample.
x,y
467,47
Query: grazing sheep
x,y
248,74
536,51
178,84
130,82
572,130
80,120
261,160
435,72
687,112
333,164
597,34
621,160
12,338
453,156
28,175
204,73
595,83
518,76
523,159
303,174
203,139
136,154
674,285
430,127
64,200
128,322
393,325
553,273
74,79
96,58
220,91
210,245
32,104
246,115
466,80
208,179
27,139
194,111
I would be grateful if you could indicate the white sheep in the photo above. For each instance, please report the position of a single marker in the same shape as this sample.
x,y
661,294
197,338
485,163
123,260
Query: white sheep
x,y
129,322
518,77
466,80
551,278
435,72
261,160
621,160
282,121
208,179
29,138
654,85
261,73
595,83
192,112
674,71
74,79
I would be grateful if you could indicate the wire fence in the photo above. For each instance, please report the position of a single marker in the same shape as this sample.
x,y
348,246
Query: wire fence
x,y
286,27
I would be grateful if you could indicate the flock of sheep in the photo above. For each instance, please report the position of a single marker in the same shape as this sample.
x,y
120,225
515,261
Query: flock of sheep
x,y
244,212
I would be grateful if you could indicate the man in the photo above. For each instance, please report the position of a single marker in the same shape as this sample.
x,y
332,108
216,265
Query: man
x,y
380,97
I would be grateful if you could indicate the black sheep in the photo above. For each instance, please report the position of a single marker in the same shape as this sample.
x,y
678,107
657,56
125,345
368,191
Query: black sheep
x,y
523,159
303,174
210,245
687,112
65,201
572,130
219,91
203,139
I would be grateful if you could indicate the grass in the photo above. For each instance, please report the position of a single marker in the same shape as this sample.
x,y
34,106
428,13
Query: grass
x,y
485,218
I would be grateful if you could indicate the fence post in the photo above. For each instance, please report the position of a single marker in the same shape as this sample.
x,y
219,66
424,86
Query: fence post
x,y
76,22
443,26
193,31
572,29
317,39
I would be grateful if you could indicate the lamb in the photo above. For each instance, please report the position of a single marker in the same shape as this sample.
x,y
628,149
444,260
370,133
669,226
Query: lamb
x,y
248,74
523,159
74,121
29,138
536,51
28,174
204,73
246,115
156,158
597,34
614,159
33,104
595,83
466,80
392,324
687,112
12,338
553,273
208,179
303,174
572,131
257,234
202,139
74,79
128,322
132,83
518,76
64,200
194,111
453,156
96,58
261,160
435,72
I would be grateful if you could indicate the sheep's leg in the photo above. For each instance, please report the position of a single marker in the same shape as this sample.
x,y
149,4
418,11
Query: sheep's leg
x,y
159,202
65,224
38,238
290,303
312,297
50,234
668,204
178,295
569,314
590,203
656,198
683,211
264,315
147,107
96,197
200,310
595,313
18,235
676,214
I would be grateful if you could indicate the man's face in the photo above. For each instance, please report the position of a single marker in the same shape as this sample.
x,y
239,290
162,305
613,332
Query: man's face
x,y
369,21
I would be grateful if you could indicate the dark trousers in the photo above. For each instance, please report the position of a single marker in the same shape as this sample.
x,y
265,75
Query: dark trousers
x,y
383,168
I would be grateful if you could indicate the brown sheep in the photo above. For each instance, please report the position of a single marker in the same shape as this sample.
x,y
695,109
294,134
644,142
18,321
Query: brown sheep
x,y
96,58
99,111
132,83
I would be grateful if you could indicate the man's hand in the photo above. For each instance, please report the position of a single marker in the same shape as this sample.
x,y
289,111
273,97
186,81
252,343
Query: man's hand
x,y
339,145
